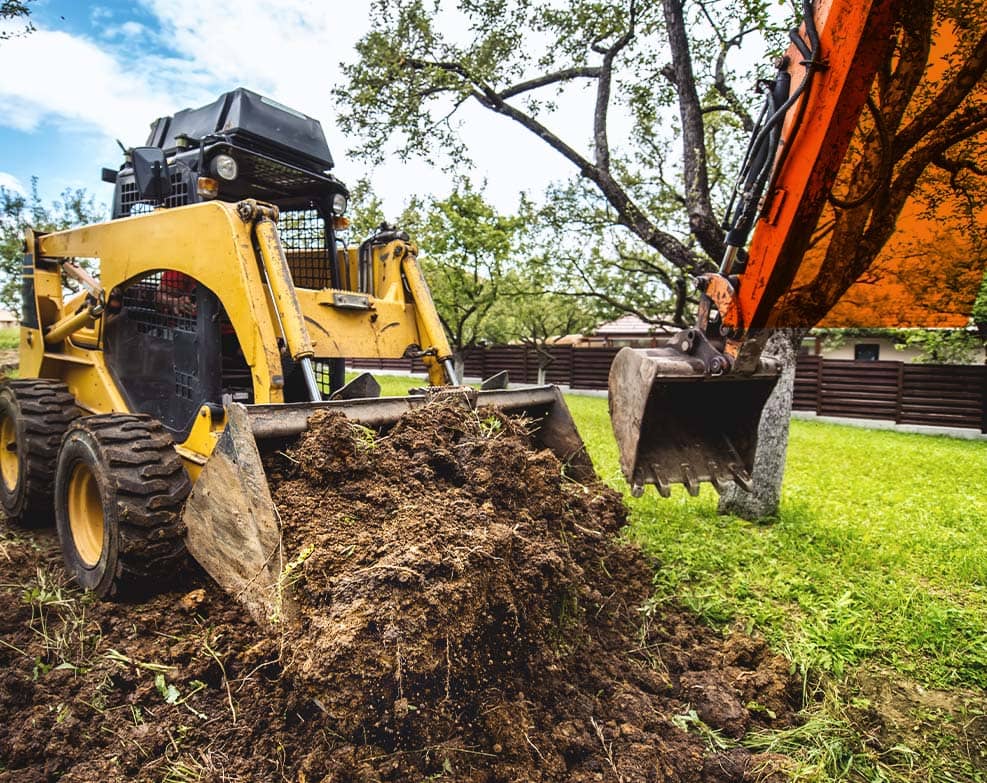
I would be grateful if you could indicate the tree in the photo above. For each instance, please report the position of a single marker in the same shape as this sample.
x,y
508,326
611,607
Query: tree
x,y
468,249
410,93
532,313
15,9
75,207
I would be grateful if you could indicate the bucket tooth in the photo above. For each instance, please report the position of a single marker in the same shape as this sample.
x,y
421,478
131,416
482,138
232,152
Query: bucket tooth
x,y
741,476
661,484
690,480
714,476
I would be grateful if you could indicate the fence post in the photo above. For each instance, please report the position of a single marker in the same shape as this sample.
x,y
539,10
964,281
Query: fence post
x,y
820,368
901,387
983,401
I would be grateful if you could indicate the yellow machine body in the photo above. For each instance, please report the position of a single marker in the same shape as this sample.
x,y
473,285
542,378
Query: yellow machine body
x,y
213,245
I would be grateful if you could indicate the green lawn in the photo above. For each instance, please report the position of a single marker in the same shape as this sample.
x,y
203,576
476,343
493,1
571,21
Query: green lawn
x,y
879,552
10,338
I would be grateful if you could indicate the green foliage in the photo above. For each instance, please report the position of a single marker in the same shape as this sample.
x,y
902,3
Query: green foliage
x,y
942,346
75,207
619,233
979,314
477,261
366,212
15,9
468,249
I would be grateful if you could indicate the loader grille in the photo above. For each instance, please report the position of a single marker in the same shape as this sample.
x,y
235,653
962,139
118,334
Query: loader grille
x,y
323,377
306,243
161,303
164,347
132,204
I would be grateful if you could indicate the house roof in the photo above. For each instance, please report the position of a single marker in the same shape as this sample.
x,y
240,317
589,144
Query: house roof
x,y
628,326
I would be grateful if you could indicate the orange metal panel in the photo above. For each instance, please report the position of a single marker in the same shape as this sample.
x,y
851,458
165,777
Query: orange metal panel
x,y
854,39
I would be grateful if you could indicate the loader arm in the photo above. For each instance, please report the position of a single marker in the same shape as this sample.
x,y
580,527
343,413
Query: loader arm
x,y
688,413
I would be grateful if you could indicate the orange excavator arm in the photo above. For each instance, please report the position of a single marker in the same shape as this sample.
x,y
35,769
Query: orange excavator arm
x,y
688,412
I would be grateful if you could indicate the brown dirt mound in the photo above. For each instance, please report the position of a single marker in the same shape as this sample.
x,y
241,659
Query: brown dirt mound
x,y
464,612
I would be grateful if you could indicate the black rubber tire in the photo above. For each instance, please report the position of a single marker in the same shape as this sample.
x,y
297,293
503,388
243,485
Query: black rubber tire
x,y
142,486
41,411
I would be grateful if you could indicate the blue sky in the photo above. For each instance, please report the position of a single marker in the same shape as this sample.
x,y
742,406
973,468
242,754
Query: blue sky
x,y
96,72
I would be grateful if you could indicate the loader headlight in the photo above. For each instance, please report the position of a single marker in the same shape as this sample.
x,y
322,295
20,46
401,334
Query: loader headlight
x,y
224,167
339,203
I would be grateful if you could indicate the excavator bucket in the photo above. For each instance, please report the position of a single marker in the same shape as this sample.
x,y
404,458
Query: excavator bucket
x,y
233,529
677,424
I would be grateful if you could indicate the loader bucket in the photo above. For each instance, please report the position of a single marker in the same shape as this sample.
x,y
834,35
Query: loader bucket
x,y
676,424
232,523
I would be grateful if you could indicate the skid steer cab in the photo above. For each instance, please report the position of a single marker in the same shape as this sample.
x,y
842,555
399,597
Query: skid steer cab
x,y
164,350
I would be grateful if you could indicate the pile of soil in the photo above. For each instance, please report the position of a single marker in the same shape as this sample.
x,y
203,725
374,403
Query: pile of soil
x,y
463,612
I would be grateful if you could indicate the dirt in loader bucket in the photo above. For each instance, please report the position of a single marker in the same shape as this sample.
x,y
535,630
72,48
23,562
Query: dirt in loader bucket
x,y
462,611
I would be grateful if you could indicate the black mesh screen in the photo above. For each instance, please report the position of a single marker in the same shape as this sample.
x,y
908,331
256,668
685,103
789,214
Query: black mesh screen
x,y
323,375
161,303
164,348
132,204
306,246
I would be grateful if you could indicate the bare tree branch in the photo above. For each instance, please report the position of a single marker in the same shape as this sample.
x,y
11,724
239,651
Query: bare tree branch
x,y
567,74
701,221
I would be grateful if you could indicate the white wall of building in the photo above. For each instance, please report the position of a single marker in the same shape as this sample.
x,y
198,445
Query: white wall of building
x,y
886,350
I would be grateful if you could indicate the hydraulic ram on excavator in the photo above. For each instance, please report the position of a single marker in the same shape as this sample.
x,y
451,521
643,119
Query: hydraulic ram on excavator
x,y
688,412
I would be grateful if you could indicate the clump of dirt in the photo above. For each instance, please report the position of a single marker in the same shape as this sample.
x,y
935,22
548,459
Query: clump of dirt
x,y
464,612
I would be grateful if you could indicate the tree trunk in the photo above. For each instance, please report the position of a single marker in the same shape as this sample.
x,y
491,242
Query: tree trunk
x,y
459,364
772,437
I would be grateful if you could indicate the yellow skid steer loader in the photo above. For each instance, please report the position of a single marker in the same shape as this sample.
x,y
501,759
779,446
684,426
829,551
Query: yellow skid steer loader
x,y
217,319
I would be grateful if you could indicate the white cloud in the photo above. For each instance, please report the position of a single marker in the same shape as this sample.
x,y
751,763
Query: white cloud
x,y
10,182
129,29
291,50
52,74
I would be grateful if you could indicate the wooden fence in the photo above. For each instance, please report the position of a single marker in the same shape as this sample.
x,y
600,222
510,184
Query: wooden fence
x,y
931,394
943,395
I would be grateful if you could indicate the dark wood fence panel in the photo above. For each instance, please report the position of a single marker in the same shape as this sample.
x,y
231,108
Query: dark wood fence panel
x,y
865,390
947,395
807,374
591,368
939,395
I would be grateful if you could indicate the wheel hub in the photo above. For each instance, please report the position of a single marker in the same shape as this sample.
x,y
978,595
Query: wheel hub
x,y
9,462
85,511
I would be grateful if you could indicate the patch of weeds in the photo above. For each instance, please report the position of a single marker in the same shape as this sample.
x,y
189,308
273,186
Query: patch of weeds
x,y
59,618
690,722
205,767
172,695
490,426
364,438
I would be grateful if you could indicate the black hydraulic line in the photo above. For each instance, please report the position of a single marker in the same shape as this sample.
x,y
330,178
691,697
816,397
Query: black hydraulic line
x,y
762,161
